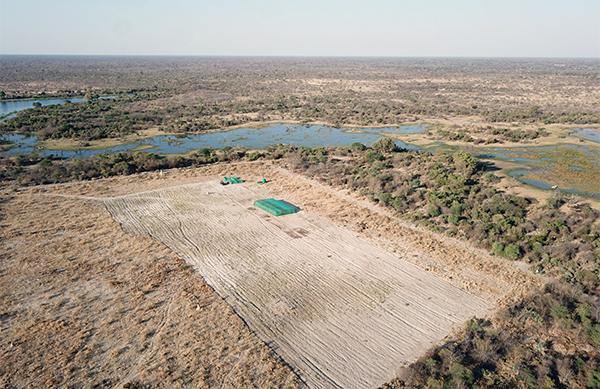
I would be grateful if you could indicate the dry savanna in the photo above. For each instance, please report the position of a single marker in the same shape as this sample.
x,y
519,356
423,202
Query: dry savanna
x,y
447,232
172,279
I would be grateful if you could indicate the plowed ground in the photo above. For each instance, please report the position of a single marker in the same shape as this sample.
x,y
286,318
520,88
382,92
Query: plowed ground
x,y
342,311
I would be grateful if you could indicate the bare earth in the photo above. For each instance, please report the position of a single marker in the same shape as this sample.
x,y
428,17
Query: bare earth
x,y
82,303
342,311
109,306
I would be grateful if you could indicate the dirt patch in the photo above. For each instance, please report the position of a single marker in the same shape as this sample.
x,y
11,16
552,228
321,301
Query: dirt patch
x,y
470,270
454,260
84,304
343,311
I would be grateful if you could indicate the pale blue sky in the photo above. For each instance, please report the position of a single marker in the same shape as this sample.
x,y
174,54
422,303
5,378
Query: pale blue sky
x,y
517,28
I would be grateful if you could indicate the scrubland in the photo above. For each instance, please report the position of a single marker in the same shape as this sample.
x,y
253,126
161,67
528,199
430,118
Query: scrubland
x,y
197,94
87,300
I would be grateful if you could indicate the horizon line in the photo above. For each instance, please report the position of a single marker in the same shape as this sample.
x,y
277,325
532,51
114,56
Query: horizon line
x,y
291,56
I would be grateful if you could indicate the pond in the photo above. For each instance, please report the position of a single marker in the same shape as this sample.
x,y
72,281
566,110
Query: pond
x,y
251,138
571,168
10,107
592,134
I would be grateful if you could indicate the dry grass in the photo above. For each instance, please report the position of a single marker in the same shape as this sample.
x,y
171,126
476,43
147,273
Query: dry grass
x,y
83,304
128,310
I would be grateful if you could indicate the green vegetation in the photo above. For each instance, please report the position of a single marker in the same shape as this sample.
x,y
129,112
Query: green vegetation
x,y
452,193
545,341
92,120
487,135
568,166
34,170
385,145
535,114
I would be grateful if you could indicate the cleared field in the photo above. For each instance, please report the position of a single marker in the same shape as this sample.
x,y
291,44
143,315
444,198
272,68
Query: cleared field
x,y
84,304
342,311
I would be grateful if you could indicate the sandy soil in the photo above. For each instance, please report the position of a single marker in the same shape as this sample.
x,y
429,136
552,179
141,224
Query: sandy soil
x,y
462,268
83,304
342,311
456,261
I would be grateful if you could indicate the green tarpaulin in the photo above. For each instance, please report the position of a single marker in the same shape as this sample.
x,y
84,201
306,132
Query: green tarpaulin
x,y
276,207
232,180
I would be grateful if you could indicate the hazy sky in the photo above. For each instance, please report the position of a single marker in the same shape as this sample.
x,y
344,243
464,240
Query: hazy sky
x,y
531,28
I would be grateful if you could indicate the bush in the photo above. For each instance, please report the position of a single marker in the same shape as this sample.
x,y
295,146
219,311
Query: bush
x,y
497,248
512,251
465,163
594,380
454,219
556,200
522,337
373,156
357,146
385,145
255,155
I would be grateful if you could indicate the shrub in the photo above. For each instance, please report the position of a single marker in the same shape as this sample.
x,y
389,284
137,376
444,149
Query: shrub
x,y
594,334
385,145
497,248
556,200
434,210
357,146
373,156
512,251
465,163
594,380
456,208
255,155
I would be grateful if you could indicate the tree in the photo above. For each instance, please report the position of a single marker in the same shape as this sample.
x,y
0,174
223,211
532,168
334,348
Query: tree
x,y
385,145
512,251
465,163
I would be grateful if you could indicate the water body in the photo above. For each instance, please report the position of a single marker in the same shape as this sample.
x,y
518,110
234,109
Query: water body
x,y
403,130
8,108
592,134
251,138
573,168
523,175
532,160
